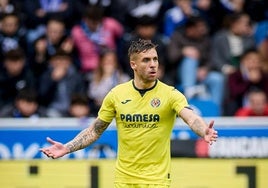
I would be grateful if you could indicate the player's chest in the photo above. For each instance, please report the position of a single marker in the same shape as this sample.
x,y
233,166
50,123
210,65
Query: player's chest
x,y
147,104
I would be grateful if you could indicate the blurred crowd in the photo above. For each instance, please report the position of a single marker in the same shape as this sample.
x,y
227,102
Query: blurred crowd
x,y
59,58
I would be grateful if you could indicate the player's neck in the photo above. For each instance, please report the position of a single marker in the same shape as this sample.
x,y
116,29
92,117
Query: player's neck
x,y
139,84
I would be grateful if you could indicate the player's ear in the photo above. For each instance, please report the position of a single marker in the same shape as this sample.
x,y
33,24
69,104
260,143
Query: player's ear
x,y
133,65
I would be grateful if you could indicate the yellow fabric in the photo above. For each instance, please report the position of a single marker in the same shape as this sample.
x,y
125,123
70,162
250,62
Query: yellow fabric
x,y
123,185
144,125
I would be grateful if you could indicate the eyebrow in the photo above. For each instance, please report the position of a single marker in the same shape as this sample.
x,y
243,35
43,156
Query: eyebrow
x,y
148,58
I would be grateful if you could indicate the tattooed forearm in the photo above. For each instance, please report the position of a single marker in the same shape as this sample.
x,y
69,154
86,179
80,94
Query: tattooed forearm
x,y
195,122
198,127
87,136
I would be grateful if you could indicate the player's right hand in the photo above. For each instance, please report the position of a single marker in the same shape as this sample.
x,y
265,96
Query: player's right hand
x,y
56,149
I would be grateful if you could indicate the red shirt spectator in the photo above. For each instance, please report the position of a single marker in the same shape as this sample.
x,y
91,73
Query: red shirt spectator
x,y
94,33
257,106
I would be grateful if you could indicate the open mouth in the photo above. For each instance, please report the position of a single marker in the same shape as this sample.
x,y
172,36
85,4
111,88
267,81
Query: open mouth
x,y
152,73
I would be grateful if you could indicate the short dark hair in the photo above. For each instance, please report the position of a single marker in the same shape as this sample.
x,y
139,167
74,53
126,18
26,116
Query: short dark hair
x,y
10,14
146,20
94,12
55,19
139,46
79,99
230,19
62,54
27,94
193,21
248,51
14,55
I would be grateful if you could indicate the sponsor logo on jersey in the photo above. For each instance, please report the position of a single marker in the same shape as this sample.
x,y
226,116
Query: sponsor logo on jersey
x,y
140,117
140,120
126,101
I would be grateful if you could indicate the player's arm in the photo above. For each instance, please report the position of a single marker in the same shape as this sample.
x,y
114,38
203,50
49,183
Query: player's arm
x,y
82,140
198,125
87,136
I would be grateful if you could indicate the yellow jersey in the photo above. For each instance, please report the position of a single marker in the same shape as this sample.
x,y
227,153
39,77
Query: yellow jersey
x,y
144,124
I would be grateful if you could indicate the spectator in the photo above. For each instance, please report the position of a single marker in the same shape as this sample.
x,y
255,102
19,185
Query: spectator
x,y
136,9
14,77
232,6
58,84
9,6
188,50
249,75
263,50
107,75
230,42
56,38
207,9
176,16
38,12
146,27
94,33
25,106
261,31
257,104
12,34
261,38
79,106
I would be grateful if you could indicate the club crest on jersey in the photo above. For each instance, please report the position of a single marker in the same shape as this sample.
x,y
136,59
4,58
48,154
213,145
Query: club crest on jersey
x,y
155,102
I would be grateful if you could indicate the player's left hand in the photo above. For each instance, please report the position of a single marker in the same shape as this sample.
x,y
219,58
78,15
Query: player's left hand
x,y
211,134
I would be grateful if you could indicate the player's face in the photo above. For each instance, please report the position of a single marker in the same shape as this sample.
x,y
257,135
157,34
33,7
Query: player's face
x,y
145,65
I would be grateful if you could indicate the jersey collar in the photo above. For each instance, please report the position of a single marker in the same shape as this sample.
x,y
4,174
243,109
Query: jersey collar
x,y
143,91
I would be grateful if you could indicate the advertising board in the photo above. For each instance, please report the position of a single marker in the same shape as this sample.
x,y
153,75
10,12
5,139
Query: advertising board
x,y
238,138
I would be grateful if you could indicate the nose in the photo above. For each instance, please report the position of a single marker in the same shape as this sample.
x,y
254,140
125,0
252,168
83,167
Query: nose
x,y
153,63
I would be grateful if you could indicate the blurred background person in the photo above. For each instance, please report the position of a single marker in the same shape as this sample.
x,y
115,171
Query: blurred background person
x,y
146,27
79,106
56,38
25,106
12,34
177,15
94,33
58,83
15,76
207,9
257,104
138,8
107,75
38,12
126,12
229,43
263,50
11,6
257,10
232,6
188,50
261,38
249,75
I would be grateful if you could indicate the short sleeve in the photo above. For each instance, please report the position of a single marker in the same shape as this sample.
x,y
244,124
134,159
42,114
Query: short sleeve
x,y
178,100
107,110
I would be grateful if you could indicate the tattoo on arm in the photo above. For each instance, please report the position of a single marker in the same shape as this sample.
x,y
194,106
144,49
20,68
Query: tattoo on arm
x,y
87,136
198,127
195,122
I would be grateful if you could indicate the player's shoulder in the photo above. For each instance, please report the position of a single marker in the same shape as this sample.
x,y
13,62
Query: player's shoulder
x,y
125,85
165,86
168,90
